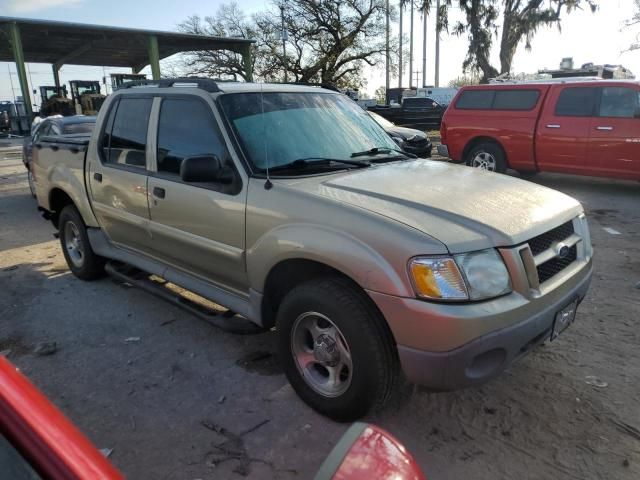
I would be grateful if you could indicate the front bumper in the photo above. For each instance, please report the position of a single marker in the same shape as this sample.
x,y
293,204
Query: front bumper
x,y
422,151
486,355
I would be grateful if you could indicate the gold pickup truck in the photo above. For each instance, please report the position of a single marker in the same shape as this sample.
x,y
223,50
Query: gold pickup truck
x,y
290,206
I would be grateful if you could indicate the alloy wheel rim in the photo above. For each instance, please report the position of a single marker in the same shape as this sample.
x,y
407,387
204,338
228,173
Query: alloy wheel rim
x,y
321,354
73,244
484,161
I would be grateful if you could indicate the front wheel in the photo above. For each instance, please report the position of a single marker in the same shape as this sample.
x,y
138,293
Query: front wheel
x,y
487,156
82,261
32,184
335,349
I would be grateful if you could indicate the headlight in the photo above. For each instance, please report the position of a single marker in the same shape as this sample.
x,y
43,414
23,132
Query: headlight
x,y
485,274
437,279
470,276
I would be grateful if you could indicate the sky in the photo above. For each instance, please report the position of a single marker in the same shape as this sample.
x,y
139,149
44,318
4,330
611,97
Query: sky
x,y
598,38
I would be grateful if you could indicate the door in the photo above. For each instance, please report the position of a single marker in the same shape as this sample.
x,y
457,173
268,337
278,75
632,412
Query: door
x,y
614,144
563,130
118,178
197,226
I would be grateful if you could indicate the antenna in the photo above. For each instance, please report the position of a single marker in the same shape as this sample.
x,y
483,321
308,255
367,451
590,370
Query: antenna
x,y
267,185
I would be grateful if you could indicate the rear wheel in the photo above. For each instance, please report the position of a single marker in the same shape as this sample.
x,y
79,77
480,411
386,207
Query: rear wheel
x,y
335,348
82,261
487,156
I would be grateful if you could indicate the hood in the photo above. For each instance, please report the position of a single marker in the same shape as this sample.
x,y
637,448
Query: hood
x,y
406,133
465,208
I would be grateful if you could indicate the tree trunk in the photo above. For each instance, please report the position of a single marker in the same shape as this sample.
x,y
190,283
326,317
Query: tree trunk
x,y
400,51
411,48
508,43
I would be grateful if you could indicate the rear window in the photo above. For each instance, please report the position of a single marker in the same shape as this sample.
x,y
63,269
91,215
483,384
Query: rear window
x,y
576,102
516,99
79,128
476,100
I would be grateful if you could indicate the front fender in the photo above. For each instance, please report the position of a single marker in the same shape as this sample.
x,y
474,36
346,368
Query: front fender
x,y
367,267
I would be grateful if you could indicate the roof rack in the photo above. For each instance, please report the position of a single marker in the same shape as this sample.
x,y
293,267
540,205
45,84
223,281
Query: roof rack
x,y
205,84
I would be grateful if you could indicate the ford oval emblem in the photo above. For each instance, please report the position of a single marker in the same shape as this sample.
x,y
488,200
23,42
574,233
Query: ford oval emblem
x,y
562,251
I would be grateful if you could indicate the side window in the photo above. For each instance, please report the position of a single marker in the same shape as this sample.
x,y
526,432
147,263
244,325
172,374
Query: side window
x,y
576,102
475,100
187,128
105,141
516,99
128,139
619,102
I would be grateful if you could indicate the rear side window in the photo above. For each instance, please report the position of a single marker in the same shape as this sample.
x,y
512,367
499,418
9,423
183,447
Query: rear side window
x,y
515,99
78,128
126,140
476,100
576,102
621,102
186,129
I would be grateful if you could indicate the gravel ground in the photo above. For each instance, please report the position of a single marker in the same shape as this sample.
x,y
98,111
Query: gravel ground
x,y
176,398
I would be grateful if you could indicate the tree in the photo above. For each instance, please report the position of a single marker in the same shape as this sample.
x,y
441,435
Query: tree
x,y
463,81
633,21
381,95
521,19
329,41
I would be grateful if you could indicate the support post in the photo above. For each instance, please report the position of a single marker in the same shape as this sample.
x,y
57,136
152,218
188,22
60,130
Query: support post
x,y
18,57
387,53
56,75
247,62
154,57
437,69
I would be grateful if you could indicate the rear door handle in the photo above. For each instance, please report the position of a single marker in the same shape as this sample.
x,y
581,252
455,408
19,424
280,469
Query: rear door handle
x,y
97,177
159,192
607,128
553,125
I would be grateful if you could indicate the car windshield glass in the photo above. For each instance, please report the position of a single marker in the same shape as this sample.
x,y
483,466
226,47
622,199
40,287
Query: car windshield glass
x,y
79,128
298,125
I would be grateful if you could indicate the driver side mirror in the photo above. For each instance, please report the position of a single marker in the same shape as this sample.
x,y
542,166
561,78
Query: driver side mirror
x,y
201,169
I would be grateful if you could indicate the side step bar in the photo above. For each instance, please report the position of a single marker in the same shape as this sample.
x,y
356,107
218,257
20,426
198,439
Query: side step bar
x,y
225,320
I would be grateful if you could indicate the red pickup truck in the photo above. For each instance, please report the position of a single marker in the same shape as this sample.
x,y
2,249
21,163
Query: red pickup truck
x,y
584,127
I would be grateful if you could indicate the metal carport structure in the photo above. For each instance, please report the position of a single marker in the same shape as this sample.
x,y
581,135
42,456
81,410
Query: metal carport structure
x,y
60,43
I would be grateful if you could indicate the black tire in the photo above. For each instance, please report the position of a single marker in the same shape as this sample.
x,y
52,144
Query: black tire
x,y
85,265
32,186
488,154
374,362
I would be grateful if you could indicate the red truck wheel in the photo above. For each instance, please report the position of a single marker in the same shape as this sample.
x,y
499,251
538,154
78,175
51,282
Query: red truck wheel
x,y
487,156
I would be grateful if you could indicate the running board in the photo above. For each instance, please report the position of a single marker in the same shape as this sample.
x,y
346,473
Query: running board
x,y
223,319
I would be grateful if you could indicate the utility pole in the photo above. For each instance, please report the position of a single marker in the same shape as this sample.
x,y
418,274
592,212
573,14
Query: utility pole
x,y
283,33
424,49
437,69
400,54
411,49
386,85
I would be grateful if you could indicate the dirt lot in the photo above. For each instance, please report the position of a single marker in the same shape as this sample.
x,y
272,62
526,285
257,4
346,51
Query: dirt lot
x,y
187,401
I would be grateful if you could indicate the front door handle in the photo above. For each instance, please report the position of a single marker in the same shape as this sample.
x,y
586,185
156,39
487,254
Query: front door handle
x,y
607,128
553,125
159,192
97,177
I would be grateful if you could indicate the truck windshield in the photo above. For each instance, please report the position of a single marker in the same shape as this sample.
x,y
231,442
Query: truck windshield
x,y
279,128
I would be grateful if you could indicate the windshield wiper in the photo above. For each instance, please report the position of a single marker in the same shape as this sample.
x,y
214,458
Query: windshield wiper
x,y
381,150
303,163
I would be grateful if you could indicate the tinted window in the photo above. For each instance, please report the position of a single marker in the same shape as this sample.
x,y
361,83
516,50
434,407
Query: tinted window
x,y
618,102
105,141
476,100
576,102
128,137
78,128
417,102
186,129
515,99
